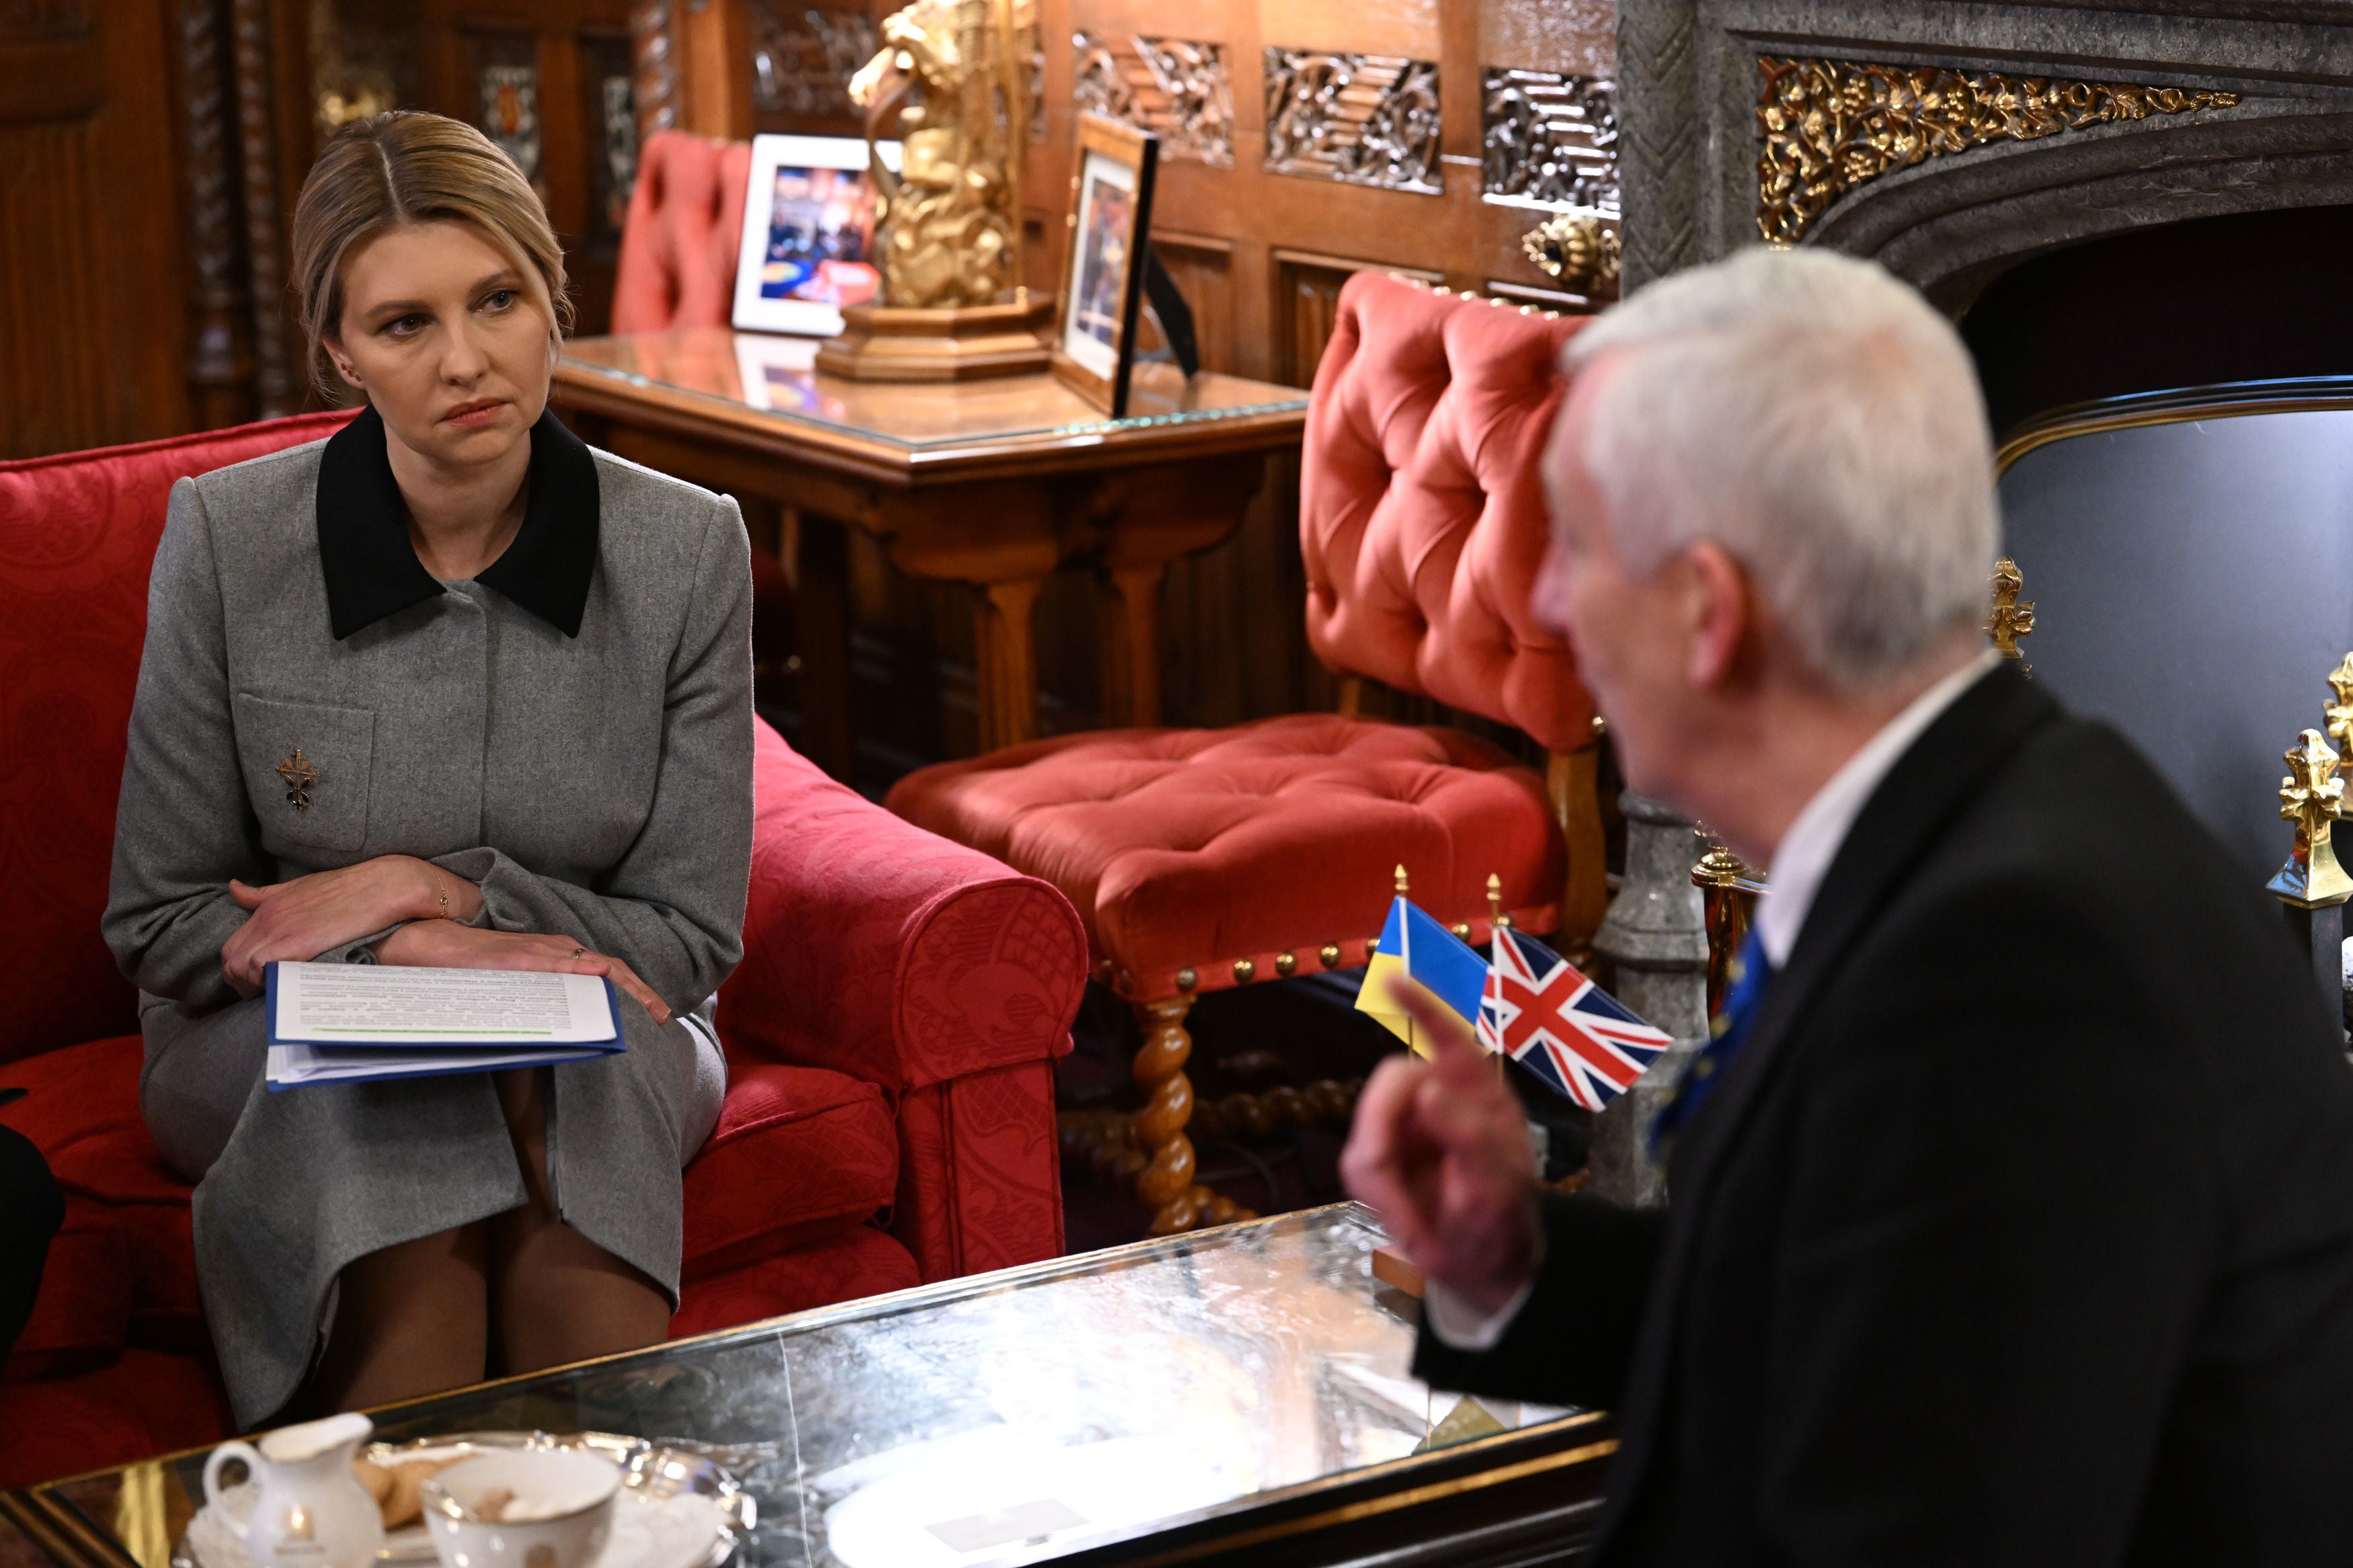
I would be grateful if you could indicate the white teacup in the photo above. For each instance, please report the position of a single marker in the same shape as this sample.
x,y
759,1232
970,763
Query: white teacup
x,y
553,1507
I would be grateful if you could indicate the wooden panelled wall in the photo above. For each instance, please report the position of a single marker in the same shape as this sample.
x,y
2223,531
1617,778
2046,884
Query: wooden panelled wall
x,y
151,152
1260,234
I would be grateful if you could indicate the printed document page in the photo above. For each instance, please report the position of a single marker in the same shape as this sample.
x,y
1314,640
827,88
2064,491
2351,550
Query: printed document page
x,y
380,1004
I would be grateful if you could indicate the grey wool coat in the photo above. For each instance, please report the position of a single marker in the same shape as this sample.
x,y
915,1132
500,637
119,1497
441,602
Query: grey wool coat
x,y
571,731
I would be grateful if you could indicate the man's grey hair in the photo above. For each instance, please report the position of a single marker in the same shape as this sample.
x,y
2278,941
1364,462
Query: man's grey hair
x,y
1821,422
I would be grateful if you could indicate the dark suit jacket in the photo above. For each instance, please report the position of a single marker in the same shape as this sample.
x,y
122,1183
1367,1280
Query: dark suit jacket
x,y
2022,1231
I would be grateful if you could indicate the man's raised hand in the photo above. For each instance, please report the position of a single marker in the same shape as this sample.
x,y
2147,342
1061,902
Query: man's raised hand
x,y
1440,1150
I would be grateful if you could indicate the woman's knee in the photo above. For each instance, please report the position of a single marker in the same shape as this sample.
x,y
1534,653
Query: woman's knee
x,y
200,1070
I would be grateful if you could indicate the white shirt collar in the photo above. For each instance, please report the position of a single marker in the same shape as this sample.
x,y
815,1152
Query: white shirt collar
x,y
1818,829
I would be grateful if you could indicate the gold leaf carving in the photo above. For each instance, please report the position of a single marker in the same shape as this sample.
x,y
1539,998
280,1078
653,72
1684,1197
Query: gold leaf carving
x,y
1828,126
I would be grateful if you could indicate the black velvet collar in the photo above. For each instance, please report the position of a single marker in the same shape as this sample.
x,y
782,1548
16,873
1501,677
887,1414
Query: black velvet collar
x,y
372,570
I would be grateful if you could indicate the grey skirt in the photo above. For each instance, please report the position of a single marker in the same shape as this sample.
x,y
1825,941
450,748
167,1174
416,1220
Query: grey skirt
x,y
292,1186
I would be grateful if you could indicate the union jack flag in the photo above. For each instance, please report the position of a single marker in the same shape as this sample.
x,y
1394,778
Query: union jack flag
x,y
1540,1011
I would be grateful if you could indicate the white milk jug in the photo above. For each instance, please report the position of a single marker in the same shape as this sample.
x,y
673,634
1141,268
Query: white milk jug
x,y
312,1511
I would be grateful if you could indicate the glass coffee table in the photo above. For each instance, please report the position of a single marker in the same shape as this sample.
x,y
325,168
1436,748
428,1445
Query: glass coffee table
x,y
1238,1394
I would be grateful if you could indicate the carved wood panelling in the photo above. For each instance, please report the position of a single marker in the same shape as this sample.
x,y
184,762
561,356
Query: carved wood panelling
x,y
803,57
1181,90
93,298
218,327
1548,140
1308,287
656,62
278,381
1202,267
1367,119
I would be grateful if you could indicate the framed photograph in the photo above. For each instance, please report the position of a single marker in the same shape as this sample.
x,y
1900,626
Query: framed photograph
x,y
808,233
1102,270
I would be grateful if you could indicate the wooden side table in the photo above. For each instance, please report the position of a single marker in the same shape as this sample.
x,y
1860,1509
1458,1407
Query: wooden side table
x,y
995,484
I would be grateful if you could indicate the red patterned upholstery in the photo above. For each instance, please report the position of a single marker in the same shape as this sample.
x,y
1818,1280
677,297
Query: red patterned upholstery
x,y
76,536
890,1113
678,243
875,948
1422,524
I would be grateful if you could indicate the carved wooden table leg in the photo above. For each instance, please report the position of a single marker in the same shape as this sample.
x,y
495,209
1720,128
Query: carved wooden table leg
x,y
822,606
1167,1183
1004,637
1131,644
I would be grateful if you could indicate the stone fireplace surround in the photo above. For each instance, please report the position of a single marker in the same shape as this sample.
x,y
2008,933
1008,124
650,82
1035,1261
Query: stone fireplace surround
x,y
1690,140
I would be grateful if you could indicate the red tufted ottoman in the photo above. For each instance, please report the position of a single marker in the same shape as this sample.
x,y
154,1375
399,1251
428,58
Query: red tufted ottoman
x,y
1203,858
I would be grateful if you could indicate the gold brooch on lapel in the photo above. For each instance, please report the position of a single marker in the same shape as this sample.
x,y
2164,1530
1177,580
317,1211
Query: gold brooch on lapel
x,y
300,776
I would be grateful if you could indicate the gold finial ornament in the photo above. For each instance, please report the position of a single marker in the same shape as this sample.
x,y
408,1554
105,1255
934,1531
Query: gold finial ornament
x,y
2311,796
1496,918
1729,890
2340,712
1578,249
2010,620
1401,887
951,86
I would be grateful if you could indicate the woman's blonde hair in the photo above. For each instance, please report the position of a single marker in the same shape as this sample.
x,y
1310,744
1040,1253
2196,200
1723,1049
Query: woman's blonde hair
x,y
407,167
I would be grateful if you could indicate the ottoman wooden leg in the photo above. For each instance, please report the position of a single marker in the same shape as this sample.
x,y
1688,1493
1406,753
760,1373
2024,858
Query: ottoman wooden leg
x,y
1167,1183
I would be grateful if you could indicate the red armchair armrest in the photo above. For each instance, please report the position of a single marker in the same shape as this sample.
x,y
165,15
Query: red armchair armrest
x,y
884,951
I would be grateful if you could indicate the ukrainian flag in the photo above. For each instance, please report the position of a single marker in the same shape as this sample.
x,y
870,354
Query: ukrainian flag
x,y
1416,951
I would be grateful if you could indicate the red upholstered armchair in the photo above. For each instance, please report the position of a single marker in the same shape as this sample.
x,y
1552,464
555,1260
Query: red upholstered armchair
x,y
1205,858
890,1032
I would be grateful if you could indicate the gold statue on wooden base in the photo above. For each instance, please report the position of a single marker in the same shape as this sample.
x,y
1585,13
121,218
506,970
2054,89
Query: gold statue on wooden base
x,y
950,86
2312,796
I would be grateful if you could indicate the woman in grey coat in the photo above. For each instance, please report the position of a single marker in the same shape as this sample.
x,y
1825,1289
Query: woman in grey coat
x,y
448,689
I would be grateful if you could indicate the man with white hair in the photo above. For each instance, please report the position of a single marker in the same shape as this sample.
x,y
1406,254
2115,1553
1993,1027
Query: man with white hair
x,y
2011,1213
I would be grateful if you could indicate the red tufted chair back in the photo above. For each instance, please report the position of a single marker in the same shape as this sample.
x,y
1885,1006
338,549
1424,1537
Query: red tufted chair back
x,y
685,224
1422,513
78,536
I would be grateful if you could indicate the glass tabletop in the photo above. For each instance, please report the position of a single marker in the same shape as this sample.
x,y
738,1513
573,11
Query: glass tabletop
x,y
1008,1417
761,373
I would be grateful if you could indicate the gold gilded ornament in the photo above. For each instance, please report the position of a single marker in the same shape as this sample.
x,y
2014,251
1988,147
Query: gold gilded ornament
x,y
2010,620
1580,250
2340,712
300,776
1729,890
2311,796
1827,125
951,86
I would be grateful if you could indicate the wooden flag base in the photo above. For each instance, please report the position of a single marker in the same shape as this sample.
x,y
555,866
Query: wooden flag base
x,y
1390,1269
891,342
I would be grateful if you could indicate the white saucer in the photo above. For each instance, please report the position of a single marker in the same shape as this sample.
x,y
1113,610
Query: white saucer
x,y
675,1509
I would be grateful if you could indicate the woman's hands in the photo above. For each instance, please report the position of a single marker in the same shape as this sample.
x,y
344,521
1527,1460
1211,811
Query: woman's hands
x,y
299,919
444,944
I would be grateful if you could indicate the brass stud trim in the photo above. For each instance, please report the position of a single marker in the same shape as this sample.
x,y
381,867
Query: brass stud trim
x,y
1461,929
1330,953
1244,970
1186,979
1285,963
